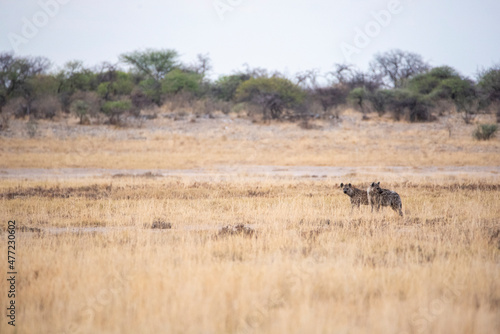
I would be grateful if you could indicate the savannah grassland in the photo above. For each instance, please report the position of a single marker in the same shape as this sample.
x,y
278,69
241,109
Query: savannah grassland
x,y
88,260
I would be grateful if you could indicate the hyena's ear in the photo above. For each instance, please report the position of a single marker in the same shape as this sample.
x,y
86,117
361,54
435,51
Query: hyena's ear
x,y
341,185
378,183
373,184
349,185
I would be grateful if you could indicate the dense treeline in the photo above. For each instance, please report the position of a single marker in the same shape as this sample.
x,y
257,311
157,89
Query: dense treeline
x,y
398,83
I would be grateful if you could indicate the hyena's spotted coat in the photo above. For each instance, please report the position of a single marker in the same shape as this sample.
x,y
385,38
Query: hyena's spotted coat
x,y
384,197
357,196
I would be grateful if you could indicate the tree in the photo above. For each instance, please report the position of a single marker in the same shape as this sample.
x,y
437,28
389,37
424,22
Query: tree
x,y
272,94
395,67
7,77
413,106
256,72
358,97
177,80
153,66
308,79
202,66
152,63
74,77
428,83
15,75
329,97
106,76
464,95
225,87
489,86
40,95
347,75
119,83
80,108
445,83
380,100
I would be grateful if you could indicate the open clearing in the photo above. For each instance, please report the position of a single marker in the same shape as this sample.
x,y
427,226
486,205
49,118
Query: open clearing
x,y
252,233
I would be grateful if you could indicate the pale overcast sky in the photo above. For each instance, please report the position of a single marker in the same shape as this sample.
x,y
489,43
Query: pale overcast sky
x,y
288,36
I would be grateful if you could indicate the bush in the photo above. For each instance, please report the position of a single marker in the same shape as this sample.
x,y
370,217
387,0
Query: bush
x,y
178,80
380,100
16,107
485,131
402,103
140,100
225,87
428,83
357,97
46,106
92,100
114,109
272,94
464,95
414,107
489,88
81,109
331,97
152,89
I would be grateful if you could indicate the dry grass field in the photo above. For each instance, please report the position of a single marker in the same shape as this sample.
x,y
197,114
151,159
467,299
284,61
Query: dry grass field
x,y
251,253
197,142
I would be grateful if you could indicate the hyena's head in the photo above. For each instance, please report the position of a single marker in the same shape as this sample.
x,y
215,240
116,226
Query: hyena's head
x,y
375,187
347,188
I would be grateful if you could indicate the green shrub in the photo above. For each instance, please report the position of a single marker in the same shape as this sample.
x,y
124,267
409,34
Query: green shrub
x,y
225,87
413,106
178,80
103,89
114,109
357,97
272,94
428,83
123,85
485,131
114,106
489,87
152,89
380,100
80,108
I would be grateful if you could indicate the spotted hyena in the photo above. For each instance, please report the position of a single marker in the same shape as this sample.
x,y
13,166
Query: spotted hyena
x,y
384,197
357,196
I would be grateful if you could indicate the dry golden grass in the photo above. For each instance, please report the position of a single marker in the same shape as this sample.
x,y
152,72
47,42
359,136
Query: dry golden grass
x,y
301,261
311,265
181,144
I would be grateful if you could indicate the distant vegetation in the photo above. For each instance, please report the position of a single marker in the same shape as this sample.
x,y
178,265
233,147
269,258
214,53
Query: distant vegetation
x,y
398,83
485,131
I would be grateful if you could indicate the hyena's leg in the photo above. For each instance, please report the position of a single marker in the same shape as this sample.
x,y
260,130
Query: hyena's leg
x,y
397,206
